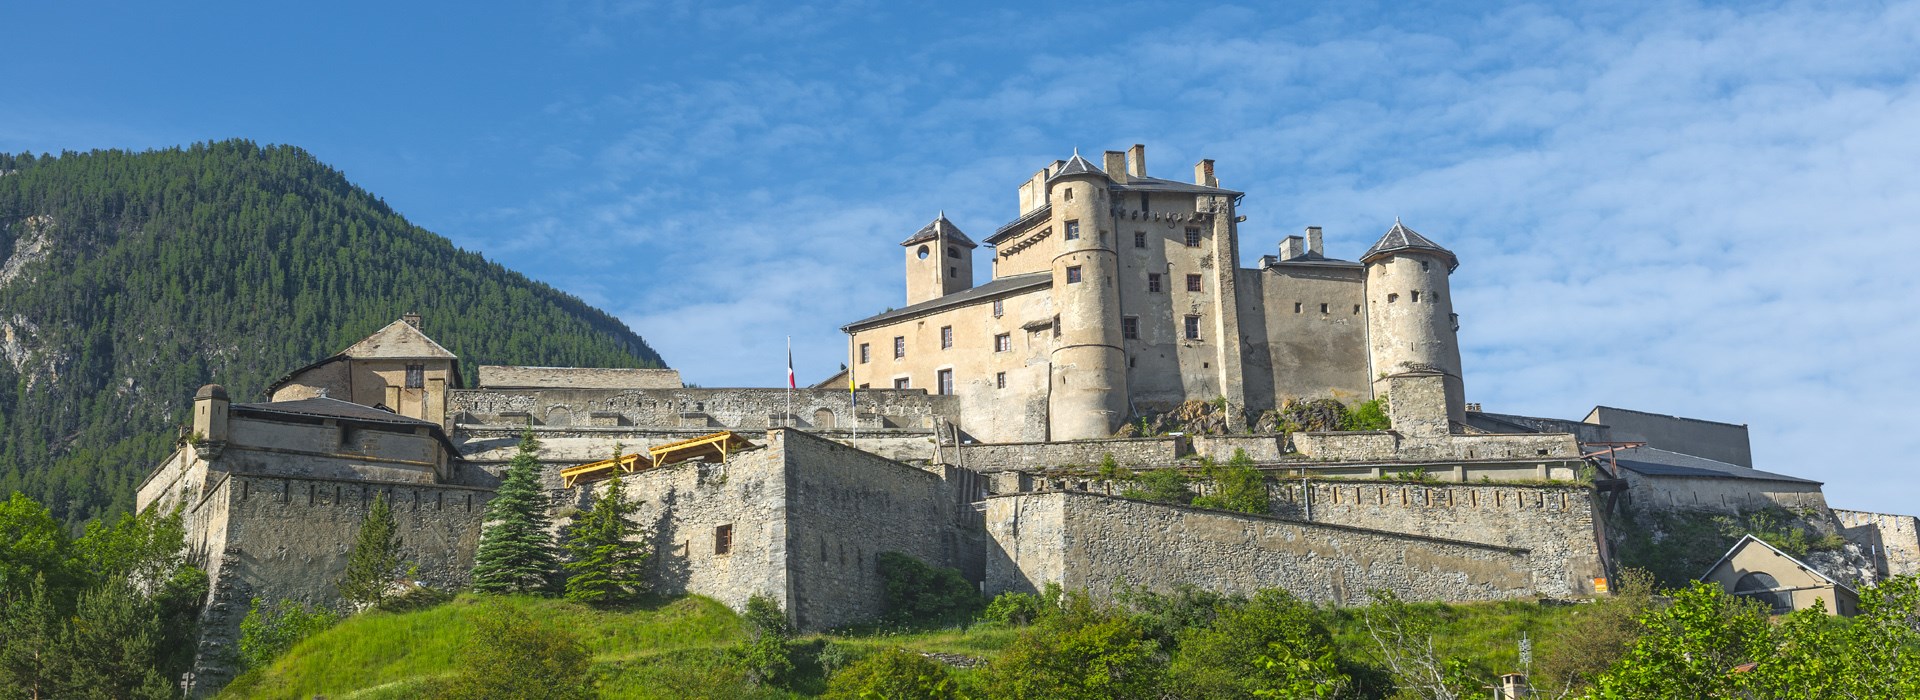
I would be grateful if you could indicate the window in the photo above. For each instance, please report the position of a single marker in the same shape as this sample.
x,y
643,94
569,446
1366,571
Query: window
x,y
1424,266
922,252
1193,283
999,308
1297,306
899,346
1193,237
1416,296
865,353
953,272
1130,328
1356,308
1153,281
1323,308
1139,239
1193,328
953,252
1392,298
944,378
416,376
900,383
1068,195
1056,325
1073,274
723,539
946,337
1003,342
1000,380
1073,230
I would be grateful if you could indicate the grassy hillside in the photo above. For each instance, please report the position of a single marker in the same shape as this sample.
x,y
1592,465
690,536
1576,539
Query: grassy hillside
x,y
127,280
678,649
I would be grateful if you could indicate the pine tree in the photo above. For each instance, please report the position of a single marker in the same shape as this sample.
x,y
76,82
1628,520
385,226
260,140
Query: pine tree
x,y
375,560
516,552
31,662
608,564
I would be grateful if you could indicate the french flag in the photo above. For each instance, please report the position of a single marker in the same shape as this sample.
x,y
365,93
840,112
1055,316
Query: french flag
x,y
790,382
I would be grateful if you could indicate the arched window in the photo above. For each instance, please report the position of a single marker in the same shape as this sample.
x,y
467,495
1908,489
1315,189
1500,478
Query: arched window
x,y
1762,587
823,418
953,252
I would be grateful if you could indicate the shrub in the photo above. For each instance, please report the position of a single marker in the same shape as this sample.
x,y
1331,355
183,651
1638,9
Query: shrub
x,y
512,656
1162,486
1237,486
268,632
895,675
1015,609
1271,647
1083,652
916,593
764,654
1368,415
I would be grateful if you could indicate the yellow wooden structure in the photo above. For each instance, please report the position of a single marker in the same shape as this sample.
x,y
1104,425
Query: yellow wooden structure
x,y
704,448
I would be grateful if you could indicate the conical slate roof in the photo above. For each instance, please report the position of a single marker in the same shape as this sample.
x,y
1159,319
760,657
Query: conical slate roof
x,y
1077,166
1400,238
940,228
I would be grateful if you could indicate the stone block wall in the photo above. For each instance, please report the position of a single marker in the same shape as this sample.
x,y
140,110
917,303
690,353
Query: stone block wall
x,y
512,377
1095,542
686,505
1261,448
1385,445
1128,452
1896,539
1560,526
1676,493
487,449
715,409
1355,446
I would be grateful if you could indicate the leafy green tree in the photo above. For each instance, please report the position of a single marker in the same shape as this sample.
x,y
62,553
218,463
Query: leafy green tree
x,y
893,674
32,662
1237,486
374,563
1271,647
915,593
513,657
1886,636
1078,650
609,554
765,654
112,646
517,553
269,631
1691,648
33,546
1600,633
1161,485
1403,641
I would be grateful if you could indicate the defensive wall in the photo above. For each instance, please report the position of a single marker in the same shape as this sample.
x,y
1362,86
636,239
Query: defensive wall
x,y
1680,493
1101,543
1893,541
713,409
486,450
517,377
1387,444
1130,453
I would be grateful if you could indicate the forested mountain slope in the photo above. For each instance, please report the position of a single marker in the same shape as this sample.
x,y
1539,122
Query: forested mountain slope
x,y
127,280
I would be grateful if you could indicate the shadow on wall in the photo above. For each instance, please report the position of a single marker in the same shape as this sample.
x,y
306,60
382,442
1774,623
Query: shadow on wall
x,y
671,571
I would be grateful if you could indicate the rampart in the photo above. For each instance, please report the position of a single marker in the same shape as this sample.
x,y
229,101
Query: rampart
x,y
1391,445
1100,543
1126,452
741,409
1259,448
487,449
514,377
1727,495
1895,539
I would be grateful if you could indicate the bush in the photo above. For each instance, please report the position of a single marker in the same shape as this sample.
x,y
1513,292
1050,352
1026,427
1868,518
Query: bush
x,y
895,675
513,656
1161,486
266,633
916,593
1599,635
1368,415
1271,647
1237,486
764,654
1078,651
1015,609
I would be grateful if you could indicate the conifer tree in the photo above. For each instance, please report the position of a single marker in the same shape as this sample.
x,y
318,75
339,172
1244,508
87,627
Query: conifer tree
x,y
375,560
608,565
516,552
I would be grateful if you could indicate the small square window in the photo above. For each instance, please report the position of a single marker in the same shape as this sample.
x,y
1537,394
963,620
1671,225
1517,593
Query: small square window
x,y
1193,283
1153,282
1003,342
1000,380
723,539
1073,230
1356,308
1073,274
1296,307
946,337
953,272
1193,328
1193,237
953,252
865,353
899,346
900,383
1424,266
1056,325
1130,328
1068,195
999,308
1139,239
416,376
1323,308
1392,298
1416,296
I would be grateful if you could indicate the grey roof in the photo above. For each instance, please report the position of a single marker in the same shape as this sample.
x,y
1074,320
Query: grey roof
x,y
1154,184
1312,258
328,407
1650,461
1004,285
1006,231
1401,238
940,227
1077,166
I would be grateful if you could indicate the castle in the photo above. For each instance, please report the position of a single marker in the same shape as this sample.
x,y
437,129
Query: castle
x,y
972,436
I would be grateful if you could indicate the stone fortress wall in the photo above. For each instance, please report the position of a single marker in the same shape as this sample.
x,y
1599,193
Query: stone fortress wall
x,y
1895,538
710,409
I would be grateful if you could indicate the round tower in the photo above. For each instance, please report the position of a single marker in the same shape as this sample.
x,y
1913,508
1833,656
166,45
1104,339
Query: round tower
x,y
1088,398
1411,328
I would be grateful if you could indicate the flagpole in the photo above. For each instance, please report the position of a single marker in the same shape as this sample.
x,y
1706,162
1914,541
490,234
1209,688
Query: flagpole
x,y
790,381
853,400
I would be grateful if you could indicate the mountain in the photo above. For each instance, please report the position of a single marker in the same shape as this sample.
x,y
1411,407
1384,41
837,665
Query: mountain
x,y
127,280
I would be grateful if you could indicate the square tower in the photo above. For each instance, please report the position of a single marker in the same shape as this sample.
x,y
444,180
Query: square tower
x,y
939,261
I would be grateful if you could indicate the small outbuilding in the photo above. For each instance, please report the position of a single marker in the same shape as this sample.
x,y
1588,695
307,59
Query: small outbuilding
x,y
1757,570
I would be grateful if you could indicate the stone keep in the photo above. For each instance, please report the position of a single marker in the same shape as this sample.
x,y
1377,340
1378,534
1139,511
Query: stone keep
x,y
1088,396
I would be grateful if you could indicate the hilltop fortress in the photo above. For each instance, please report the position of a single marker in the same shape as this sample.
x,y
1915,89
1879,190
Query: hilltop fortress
x,y
1117,328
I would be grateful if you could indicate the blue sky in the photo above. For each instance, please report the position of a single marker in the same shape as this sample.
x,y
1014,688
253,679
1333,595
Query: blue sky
x,y
1696,209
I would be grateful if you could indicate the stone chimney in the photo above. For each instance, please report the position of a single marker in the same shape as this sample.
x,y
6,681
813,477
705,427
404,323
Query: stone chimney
x,y
1137,160
412,319
1292,247
1313,241
1116,166
1203,173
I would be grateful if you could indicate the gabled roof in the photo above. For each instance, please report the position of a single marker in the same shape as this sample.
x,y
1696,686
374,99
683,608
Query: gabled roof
x,y
1400,238
1313,258
327,407
1650,461
1749,540
940,228
399,340
1011,284
1077,166
1154,184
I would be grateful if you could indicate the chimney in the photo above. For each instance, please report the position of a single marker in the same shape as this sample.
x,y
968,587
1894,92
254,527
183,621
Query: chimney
x,y
1203,173
1313,241
1292,247
1116,166
1137,160
411,318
